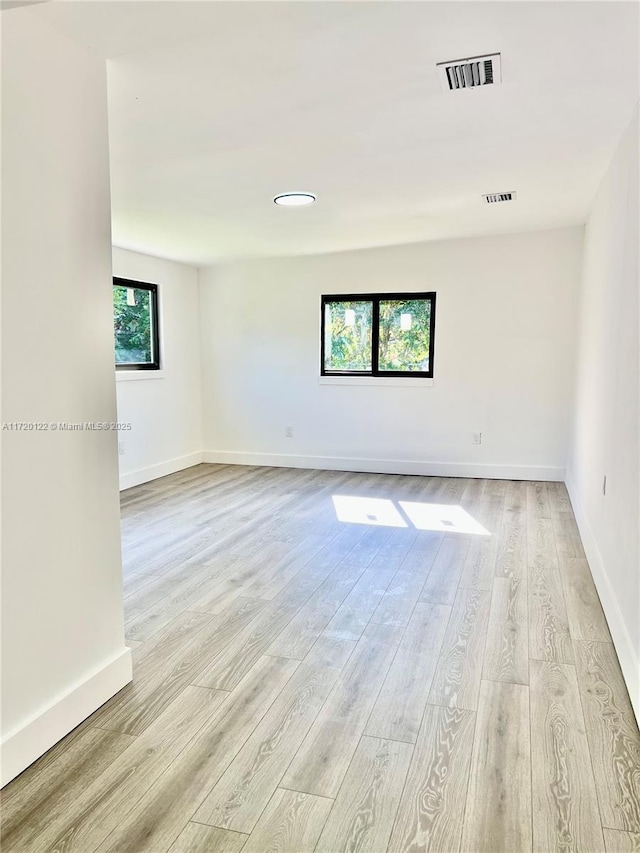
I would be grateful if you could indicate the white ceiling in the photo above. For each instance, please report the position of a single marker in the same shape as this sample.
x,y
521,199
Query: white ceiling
x,y
215,107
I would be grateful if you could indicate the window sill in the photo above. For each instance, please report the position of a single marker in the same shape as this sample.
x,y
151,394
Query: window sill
x,y
395,381
129,375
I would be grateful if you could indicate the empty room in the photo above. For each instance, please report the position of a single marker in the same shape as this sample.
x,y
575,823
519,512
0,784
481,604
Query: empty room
x,y
320,426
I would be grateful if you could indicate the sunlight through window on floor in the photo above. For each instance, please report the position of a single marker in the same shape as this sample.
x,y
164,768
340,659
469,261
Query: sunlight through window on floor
x,y
445,518
376,511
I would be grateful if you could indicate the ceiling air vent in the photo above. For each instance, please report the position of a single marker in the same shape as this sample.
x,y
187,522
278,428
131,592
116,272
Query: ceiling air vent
x,y
470,73
492,198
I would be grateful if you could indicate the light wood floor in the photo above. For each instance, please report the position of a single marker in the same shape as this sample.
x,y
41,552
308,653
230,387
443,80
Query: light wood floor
x,y
304,683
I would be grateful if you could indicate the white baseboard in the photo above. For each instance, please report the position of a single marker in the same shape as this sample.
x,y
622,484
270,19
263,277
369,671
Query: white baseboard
x,y
145,475
22,746
627,655
386,466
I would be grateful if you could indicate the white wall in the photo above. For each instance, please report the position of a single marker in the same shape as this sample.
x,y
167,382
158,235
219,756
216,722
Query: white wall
x,y
164,408
606,427
63,651
504,360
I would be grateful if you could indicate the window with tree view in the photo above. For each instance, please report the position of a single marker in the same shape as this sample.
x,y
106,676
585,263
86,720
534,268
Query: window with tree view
x,y
135,324
383,334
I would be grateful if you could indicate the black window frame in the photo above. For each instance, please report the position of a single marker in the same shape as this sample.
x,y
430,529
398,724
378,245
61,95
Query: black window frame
x,y
376,299
154,313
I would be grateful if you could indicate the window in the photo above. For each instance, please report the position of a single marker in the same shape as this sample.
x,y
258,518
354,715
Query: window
x,y
382,334
135,325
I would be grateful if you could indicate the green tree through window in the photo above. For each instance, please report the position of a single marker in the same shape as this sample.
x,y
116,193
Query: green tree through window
x,y
378,334
404,335
348,335
135,325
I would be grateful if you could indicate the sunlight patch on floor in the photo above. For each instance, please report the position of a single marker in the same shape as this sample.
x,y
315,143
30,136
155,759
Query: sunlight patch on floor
x,y
376,511
382,512
443,517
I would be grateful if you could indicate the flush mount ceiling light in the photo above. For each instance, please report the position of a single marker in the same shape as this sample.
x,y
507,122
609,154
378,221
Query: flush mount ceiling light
x,y
294,199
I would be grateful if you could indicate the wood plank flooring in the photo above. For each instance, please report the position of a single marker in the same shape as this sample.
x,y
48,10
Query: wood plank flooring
x,y
306,684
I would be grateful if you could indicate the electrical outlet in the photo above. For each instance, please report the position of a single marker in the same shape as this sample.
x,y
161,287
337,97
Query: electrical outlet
x,y
288,431
477,438
121,448
604,485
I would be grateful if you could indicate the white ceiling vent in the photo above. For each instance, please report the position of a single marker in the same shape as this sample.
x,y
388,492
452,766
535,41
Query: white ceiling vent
x,y
470,73
492,198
